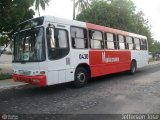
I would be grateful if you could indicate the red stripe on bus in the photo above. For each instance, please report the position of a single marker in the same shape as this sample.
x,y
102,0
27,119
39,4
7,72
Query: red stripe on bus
x,y
109,61
106,29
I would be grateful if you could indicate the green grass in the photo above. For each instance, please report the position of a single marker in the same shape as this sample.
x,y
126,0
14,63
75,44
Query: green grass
x,y
4,76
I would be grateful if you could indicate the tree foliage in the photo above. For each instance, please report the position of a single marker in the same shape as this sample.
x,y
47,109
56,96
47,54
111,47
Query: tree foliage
x,y
80,4
40,3
155,48
12,12
119,14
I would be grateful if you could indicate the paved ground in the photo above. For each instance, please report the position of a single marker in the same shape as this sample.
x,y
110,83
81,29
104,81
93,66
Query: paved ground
x,y
6,84
118,93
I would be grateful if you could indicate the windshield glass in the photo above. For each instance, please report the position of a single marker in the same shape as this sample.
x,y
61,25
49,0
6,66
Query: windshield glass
x,y
29,45
30,24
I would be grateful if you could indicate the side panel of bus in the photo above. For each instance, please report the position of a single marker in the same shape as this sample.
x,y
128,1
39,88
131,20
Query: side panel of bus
x,y
109,61
145,57
136,55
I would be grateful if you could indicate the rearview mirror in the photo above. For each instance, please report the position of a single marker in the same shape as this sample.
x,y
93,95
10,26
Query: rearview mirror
x,y
50,37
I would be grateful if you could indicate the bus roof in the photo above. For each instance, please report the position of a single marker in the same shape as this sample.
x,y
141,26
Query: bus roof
x,y
91,26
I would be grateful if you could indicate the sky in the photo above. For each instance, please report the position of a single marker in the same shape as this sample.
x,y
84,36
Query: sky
x,y
151,9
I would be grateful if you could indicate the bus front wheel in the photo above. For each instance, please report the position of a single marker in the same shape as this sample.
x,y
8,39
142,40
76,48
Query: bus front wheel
x,y
81,77
133,68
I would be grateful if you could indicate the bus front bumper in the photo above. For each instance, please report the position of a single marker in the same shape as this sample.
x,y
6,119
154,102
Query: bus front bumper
x,y
39,80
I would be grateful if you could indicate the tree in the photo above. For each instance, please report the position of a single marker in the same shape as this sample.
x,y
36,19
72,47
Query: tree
x,y
40,3
119,14
155,48
11,14
81,4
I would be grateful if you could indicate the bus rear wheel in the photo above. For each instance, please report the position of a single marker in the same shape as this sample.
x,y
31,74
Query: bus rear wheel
x,y
81,77
133,67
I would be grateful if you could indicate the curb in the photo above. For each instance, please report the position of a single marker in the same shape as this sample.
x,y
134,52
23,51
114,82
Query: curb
x,y
12,86
154,63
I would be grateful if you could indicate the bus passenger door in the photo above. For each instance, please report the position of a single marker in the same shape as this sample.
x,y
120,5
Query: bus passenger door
x,y
58,54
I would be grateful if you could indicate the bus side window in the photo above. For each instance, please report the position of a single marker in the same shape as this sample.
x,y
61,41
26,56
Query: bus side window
x,y
57,38
58,46
137,43
116,42
109,41
79,38
143,44
96,39
62,38
121,42
129,43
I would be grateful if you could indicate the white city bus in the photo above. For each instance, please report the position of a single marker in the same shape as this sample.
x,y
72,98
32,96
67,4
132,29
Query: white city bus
x,y
50,50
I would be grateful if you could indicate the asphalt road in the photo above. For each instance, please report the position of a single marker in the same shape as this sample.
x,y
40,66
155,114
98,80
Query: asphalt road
x,y
113,94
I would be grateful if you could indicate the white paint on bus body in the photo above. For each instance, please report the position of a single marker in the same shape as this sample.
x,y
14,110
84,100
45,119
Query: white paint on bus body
x,y
57,71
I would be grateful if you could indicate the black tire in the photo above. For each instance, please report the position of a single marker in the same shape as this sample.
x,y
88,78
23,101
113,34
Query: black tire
x,y
133,67
80,78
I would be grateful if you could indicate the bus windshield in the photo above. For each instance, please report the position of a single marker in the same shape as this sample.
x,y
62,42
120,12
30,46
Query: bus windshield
x,y
29,45
30,24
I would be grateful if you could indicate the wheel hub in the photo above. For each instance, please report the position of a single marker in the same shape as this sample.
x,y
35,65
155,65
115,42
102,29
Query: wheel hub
x,y
81,77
